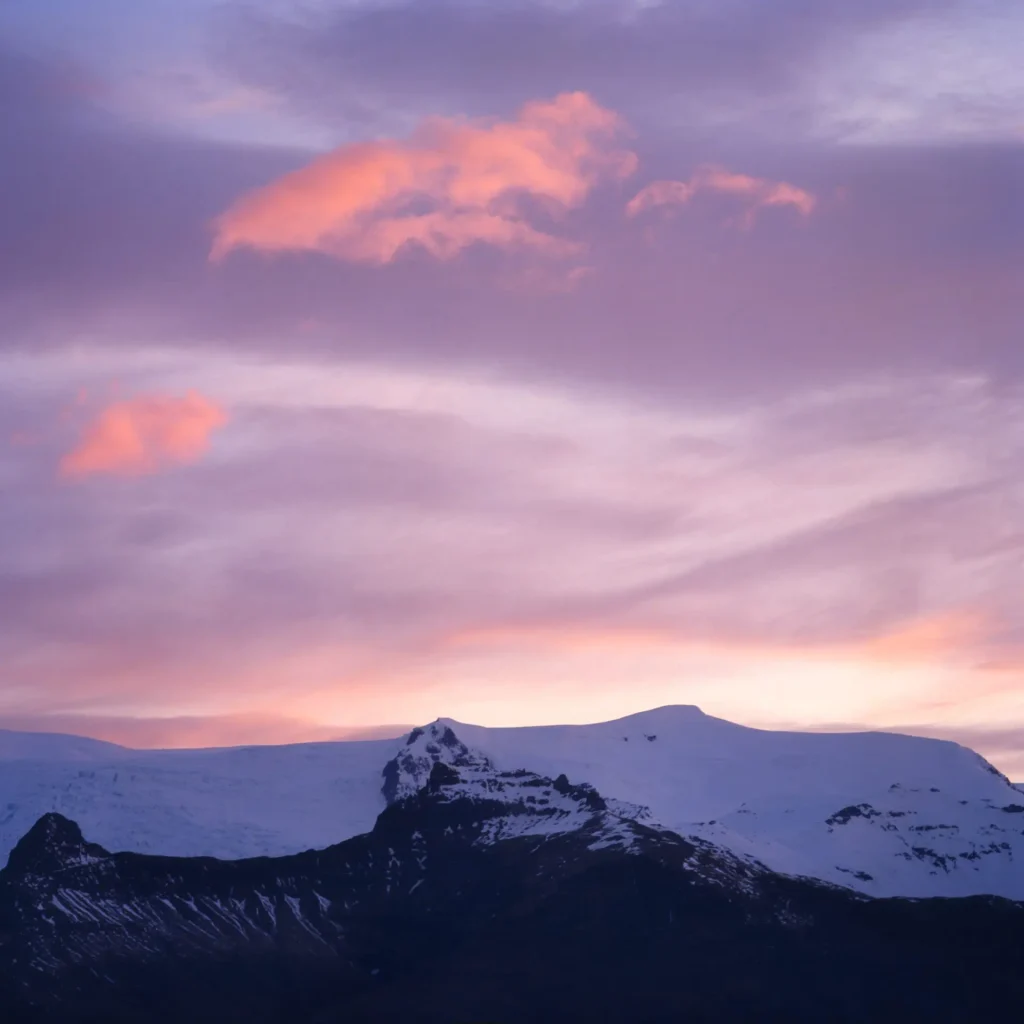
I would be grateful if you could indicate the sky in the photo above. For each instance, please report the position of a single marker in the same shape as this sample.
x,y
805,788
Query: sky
x,y
516,362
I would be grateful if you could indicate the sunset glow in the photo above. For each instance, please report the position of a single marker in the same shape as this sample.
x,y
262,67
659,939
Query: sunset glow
x,y
352,381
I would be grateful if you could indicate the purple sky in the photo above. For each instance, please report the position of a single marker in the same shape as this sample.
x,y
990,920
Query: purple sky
x,y
554,361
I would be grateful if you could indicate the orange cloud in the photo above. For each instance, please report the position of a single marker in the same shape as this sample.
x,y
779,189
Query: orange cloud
x,y
140,435
453,184
757,193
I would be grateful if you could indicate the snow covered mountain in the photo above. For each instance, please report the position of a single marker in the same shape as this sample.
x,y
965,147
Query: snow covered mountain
x,y
881,813
19,746
886,814
482,894
234,802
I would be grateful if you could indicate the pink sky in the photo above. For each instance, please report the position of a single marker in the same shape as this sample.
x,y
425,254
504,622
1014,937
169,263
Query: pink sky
x,y
369,364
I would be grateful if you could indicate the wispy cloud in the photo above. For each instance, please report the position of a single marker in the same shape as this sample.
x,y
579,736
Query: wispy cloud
x,y
453,184
754,193
144,434
776,472
386,536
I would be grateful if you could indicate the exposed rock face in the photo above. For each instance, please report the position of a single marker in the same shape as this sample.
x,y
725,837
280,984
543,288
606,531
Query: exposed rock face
x,y
53,844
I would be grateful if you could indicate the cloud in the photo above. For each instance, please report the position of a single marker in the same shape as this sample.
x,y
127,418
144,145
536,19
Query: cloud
x,y
756,193
744,61
919,271
143,434
383,536
453,184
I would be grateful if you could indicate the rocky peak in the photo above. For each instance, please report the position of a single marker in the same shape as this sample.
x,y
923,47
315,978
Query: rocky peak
x,y
54,843
437,781
410,769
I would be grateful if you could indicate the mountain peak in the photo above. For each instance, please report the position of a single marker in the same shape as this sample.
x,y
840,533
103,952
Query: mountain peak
x,y
410,769
52,844
668,714
434,768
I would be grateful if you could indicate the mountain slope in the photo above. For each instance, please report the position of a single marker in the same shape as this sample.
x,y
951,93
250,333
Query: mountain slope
x,y
481,894
52,746
124,935
240,802
881,812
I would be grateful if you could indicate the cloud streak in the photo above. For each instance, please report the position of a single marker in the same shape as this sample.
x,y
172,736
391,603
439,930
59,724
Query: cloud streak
x,y
755,193
381,537
144,434
777,472
454,184
759,64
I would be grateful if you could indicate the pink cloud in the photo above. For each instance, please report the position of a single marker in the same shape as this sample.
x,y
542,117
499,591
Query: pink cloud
x,y
453,184
140,435
756,193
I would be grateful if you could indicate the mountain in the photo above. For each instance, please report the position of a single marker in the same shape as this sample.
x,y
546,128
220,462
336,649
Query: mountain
x,y
885,814
230,803
43,746
482,894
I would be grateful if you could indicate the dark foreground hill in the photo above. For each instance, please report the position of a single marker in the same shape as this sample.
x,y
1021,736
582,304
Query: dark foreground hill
x,y
483,896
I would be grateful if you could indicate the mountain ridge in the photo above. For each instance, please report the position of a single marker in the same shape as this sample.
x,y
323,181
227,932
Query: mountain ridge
x,y
482,894
930,817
